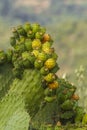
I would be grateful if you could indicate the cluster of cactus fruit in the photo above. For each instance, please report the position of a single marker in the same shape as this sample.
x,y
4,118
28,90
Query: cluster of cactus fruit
x,y
32,49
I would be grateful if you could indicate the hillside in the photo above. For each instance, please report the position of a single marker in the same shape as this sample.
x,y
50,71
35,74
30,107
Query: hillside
x,y
47,11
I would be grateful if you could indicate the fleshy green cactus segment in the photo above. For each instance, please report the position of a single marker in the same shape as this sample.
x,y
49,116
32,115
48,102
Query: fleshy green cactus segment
x,y
25,90
48,114
13,115
6,78
30,87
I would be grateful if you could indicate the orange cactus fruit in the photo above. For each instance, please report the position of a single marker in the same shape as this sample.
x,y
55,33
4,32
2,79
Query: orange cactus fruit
x,y
75,97
46,37
53,85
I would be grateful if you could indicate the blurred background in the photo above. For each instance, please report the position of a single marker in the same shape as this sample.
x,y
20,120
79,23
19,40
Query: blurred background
x,y
65,20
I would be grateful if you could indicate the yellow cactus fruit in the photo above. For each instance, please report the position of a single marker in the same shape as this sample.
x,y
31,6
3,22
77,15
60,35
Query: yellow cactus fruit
x,y
47,50
46,47
46,44
42,56
35,53
36,44
53,85
50,63
50,77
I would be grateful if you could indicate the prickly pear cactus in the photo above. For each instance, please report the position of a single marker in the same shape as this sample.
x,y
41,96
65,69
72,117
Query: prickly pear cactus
x,y
22,74
29,85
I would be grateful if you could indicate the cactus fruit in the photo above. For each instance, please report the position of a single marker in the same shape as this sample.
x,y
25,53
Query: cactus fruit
x,y
35,53
75,97
12,41
53,85
35,27
44,70
50,99
55,69
46,37
47,50
43,30
25,55
48,92
32,59
9,55
39,35
18,63
26,63
61,98
28,44
15,34
27,27
14,57
46,47
30,34
42,56
36,44
2,57
67,105
50,77
54,56
50,63
21,31
38,64
19,48
21,40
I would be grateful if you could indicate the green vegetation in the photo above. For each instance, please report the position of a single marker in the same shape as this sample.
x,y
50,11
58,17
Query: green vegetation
x,y
42,100
32,86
